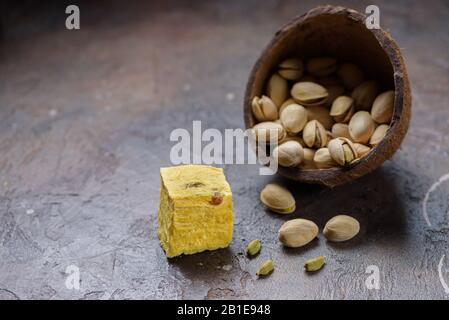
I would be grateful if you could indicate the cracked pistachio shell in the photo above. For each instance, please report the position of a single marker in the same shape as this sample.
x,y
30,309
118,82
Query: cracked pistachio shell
x,y
297,232
361,127
340,130
253,247
379,134
364,95
321,114
307,162
291,69
323,159
350,75
309,93
277,199
334,92
288,154
265,268
314,134
294,118
269,132
342,151
321,67
277,89
341,228
382,110
342,109
314,264
361,149
264,109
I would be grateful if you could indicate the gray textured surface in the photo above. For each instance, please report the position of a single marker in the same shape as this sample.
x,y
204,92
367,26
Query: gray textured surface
x,y
85,118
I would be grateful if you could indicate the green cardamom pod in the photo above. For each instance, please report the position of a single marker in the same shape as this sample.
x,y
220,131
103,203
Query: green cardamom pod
x,y
314,264
265,268
253,247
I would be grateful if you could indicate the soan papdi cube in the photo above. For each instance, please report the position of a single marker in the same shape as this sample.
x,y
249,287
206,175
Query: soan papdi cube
x,y
195,210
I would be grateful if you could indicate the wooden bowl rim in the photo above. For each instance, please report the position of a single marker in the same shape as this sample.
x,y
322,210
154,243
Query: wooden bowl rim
x,y
340,175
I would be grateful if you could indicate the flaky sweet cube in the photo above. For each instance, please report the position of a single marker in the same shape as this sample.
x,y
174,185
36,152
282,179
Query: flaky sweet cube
x,y
195,210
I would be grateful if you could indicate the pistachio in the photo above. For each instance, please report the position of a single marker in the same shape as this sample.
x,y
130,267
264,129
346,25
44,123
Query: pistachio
x,y
342,109
342,150
340,130
253,247
277,199
321,114
291,69
264,109
361,127
297,232
309,93
269,132
361,149
288,154
351,75
314,264
382,109
265,268
341,228
294,118
277,89
334,92
364,95
323,159
308,162
314,134
379,134
321,67
286,103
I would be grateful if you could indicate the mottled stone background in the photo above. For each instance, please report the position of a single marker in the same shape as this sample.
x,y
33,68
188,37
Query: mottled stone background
x,y
85,118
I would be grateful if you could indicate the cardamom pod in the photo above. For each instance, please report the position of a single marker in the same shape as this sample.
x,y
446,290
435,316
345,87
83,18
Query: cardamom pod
x,y
322,66
321,114
294,118
379,134
278,199
382,109
269,132
364,95
277,89
361,127
351,75
288,154
342,150
291,69
342,109
323,159
253,247
341,228
314,134
265,268
340,130
297,232
315,264
264,109
309,93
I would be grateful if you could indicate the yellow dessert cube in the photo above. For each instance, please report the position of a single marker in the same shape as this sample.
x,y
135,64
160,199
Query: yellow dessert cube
x,y
195,210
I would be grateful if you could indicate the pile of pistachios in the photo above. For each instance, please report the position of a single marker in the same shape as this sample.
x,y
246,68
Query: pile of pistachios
x,y
321,114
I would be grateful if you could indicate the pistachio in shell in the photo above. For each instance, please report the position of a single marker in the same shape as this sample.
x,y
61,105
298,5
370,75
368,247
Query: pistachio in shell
x,y
382,110
340,130
321,66
378,134
264,109
323,159
277,89
314,134
341,228
288,154
309,93
297,232
342,151
361,127
291,69
342,109
269,132
364,95
278,199
361,149
294,118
